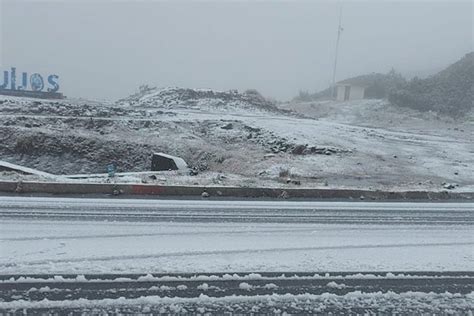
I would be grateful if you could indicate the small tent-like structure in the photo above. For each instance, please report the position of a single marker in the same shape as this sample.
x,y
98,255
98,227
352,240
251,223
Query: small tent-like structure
x,y
164,162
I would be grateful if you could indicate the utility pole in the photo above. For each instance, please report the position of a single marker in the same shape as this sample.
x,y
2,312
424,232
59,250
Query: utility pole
x,y
339,30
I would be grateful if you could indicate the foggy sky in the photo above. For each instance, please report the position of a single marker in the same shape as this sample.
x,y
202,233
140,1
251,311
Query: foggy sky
x,y
107,49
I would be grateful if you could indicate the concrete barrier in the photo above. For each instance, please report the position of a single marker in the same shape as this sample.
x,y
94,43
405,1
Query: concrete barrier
x,y
238,192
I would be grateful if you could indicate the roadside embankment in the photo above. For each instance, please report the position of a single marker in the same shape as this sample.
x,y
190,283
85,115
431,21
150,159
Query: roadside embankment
x,y
223,191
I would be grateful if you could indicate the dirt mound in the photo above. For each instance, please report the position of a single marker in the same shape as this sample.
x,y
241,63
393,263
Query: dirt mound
x,y
197,98
65,154
450,91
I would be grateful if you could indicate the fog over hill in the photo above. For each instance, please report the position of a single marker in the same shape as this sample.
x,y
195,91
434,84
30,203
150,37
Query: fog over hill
x,y
451,91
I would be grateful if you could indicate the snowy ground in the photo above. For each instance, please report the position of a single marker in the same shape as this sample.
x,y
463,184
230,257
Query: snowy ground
x,y
72,245
361,144
96,247
354,303
47,244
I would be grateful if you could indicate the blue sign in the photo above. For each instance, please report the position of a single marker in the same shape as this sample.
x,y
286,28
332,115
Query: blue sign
x,y
111,170
35,83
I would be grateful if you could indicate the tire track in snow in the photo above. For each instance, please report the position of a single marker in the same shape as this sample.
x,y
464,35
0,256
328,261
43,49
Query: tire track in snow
x,y
241,251
203,233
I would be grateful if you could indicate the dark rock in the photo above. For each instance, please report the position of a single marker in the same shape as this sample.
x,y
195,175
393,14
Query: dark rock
x,y
449,186
253,129
228,126
298,150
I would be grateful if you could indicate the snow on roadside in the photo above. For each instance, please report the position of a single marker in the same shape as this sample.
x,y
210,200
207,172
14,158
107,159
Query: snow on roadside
x,y
245,286
231,277
429,302
335,285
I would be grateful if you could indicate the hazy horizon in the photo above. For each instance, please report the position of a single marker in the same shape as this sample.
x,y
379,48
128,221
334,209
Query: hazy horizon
x,y
107,49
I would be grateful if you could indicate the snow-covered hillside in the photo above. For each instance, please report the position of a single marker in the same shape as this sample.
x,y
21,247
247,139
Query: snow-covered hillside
x,y
174,97
241,139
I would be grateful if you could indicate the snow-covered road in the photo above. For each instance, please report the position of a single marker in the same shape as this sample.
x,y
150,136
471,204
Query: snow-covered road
x,y
239,211
221,293
164,236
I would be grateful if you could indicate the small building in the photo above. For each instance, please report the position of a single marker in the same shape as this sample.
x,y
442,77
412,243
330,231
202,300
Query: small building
x,y
370,86
349,91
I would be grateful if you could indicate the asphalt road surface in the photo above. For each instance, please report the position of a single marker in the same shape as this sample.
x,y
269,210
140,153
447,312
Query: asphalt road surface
x,y
81,255
238,211
220,285
221,293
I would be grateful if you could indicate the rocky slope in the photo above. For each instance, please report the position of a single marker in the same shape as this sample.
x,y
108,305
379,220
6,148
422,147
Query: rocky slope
x,y
174,97
240,139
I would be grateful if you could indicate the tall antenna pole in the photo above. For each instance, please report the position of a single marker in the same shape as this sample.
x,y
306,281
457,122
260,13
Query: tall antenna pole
x,y
339,30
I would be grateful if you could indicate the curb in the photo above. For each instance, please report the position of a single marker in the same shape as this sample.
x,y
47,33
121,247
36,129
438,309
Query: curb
x,y
236,192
